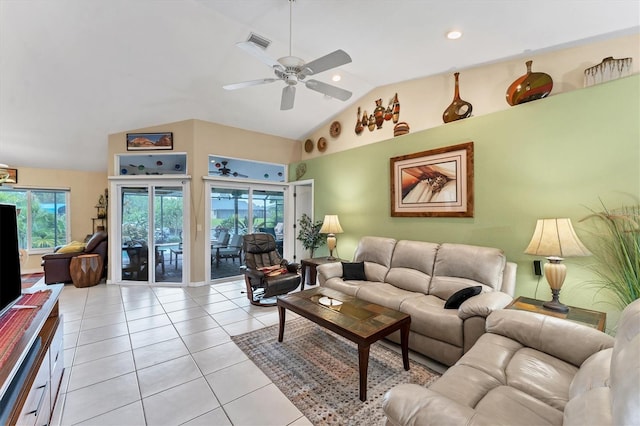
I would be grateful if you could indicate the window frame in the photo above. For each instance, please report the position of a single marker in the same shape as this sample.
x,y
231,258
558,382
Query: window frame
x,y
27,210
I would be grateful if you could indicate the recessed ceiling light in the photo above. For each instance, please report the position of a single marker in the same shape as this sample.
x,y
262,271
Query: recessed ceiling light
x,y
336,77
454,35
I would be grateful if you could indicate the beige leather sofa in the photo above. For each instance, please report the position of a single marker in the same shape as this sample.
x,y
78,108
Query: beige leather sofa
x,y
418,277
531,369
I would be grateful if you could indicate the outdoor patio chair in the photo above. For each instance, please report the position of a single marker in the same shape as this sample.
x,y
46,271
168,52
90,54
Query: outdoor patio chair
x,y
233,251
266,273
137,268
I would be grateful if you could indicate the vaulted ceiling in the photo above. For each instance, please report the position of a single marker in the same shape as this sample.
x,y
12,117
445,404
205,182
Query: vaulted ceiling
x,y
74,71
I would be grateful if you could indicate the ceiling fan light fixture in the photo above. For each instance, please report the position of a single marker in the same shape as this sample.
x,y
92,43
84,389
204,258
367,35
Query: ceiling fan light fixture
x,y
454,34
291,62
336,77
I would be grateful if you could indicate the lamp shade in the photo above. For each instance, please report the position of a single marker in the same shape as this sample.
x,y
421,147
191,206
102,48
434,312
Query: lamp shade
x,y
331,225
556,238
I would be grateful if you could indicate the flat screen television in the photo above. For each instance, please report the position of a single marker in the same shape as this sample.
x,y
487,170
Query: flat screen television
x,y
10,281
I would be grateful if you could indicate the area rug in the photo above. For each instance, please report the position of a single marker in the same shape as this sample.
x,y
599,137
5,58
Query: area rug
x,y
29,280
318,371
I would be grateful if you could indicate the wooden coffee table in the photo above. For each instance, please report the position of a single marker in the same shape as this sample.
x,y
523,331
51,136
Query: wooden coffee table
x,y
356,320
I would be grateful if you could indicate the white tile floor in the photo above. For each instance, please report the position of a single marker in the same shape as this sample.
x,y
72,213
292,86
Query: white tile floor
x,y
137,355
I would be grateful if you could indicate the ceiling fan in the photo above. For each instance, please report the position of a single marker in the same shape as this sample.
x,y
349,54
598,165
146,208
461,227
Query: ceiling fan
x,y
293,70
223,170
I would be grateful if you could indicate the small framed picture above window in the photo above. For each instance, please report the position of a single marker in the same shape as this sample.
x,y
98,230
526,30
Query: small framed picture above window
x,y
149,141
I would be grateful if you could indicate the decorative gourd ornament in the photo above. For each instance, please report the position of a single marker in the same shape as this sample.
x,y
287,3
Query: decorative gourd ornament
x,y
529,87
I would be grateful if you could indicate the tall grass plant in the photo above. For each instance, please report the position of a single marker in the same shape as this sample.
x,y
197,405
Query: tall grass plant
x,y
615,244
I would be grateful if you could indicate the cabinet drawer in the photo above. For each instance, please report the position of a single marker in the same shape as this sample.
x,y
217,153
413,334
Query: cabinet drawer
x,y
39,396
56,355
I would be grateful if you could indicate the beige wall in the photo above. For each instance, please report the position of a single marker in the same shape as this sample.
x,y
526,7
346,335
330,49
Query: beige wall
x,y
199,139
85,189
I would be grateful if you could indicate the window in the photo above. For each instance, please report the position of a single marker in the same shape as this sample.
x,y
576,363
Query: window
x,y
43,222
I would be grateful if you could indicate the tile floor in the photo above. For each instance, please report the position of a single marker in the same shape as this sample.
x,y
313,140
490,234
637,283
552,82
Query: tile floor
x,y
137,355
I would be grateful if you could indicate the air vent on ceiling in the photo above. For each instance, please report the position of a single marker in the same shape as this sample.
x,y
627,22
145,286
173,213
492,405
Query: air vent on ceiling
x,y
259,40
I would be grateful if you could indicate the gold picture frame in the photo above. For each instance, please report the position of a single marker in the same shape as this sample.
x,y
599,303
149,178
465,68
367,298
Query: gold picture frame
x,y
438,183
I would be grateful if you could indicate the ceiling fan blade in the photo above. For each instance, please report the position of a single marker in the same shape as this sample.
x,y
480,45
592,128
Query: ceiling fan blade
x,y
332,60
329,90
244,84
288,95
258,53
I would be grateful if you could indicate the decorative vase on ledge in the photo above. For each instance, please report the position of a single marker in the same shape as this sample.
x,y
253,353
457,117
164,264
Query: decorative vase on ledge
x,y
529,87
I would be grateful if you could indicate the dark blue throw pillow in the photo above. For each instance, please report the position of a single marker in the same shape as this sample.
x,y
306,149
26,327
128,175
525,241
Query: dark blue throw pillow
x,y
353,271
456,299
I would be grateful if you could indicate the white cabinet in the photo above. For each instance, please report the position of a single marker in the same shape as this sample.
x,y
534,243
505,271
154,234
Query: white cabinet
x,y
56,361
30,380
39,397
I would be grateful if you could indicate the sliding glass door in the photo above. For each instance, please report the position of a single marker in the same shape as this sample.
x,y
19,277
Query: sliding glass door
x,y
151,238
239,209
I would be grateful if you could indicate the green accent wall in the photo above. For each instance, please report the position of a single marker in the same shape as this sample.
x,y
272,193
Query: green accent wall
x,y
555,157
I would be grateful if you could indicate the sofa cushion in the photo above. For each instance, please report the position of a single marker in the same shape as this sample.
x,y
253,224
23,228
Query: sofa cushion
x,y
566,340
412,265
542,376
72,247
455,300
386,295
376,252
409,279
353,271
505,405
472,265
445,287
429,318
348,287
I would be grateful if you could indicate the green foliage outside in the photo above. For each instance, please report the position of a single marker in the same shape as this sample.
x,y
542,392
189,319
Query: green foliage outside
x,y
168,218
48,228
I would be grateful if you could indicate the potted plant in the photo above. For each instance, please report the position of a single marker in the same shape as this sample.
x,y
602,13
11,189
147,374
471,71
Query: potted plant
x,y
309,233
615,245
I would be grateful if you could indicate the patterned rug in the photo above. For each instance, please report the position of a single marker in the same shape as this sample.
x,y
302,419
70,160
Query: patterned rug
x,y
318,371
30,279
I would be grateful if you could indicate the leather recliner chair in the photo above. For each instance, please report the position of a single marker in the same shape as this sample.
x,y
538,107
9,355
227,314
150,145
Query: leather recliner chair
x,y
56,265
266,273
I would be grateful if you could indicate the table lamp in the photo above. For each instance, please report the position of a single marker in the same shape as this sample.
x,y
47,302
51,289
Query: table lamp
x,y
331,227
555,239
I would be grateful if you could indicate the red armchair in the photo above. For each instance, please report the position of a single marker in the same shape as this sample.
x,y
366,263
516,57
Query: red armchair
x,y
56,265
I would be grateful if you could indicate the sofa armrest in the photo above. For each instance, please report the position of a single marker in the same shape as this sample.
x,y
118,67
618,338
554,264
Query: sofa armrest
x,y
60,256
410,404
329,270
509,278
567,340
483,304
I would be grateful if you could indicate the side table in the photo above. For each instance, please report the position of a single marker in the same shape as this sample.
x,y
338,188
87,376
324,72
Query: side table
x,y
86,270
593,319
312,264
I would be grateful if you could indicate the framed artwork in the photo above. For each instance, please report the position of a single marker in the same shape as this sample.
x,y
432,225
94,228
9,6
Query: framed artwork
x,y
13,175
438,182
149,141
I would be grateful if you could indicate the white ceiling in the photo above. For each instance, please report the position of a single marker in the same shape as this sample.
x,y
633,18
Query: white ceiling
x,y
74,71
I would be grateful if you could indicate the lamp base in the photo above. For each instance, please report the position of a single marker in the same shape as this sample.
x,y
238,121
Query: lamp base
x,y
554,304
